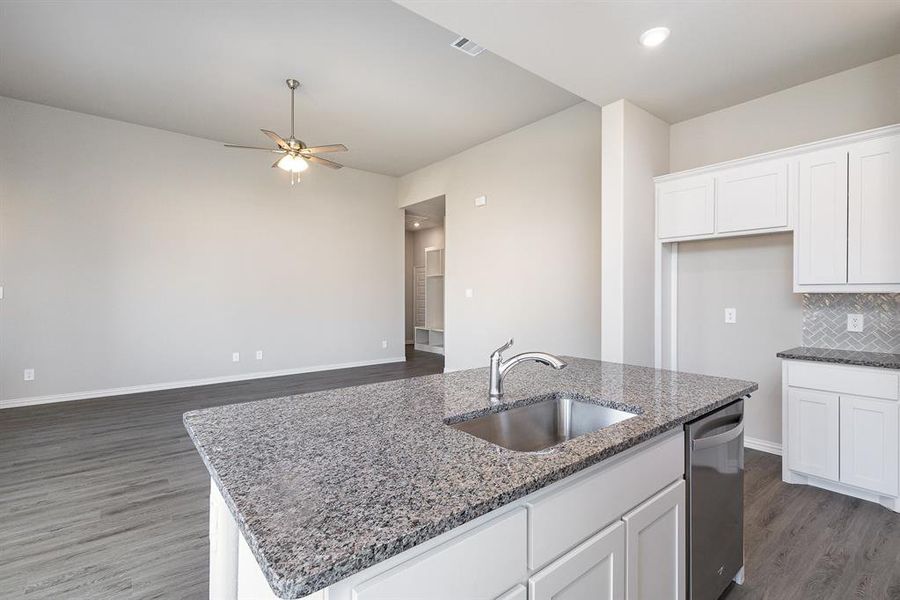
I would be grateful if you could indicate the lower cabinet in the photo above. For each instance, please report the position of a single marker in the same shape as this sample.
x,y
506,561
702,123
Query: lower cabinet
x,y
655,538
594,570
814,432
870,430
520,592
844,436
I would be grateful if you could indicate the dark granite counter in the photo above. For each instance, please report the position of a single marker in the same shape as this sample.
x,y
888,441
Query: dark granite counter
x,y
843,357
324,485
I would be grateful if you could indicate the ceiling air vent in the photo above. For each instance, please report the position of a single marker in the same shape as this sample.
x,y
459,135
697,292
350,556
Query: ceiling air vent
x,y
466,45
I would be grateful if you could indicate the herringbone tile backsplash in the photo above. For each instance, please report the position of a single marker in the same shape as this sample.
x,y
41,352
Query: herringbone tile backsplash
x,y
825,321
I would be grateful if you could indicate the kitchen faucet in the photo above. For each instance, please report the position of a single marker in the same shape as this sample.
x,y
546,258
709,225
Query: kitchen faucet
x,y
500,367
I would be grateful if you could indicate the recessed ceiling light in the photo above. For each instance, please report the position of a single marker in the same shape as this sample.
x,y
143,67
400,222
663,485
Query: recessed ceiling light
x,y
416,224
654,37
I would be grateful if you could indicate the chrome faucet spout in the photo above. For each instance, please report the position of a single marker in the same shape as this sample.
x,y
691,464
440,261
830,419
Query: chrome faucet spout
x,y
500,367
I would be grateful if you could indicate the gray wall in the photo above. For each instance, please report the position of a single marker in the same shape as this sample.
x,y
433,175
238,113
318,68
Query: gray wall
x,y
138,256
756,273
409,286
532,255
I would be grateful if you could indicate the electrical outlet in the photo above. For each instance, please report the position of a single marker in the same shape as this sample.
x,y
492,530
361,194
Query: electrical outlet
x,y
469,292
259,355
731,315
855,322
235,357
384,343
28,375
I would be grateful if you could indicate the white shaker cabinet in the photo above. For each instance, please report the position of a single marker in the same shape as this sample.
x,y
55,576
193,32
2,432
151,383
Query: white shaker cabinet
x,y
752,197
874,212
655,538
685,207
841,429
870,429
814,432
520,592
594,570
821,233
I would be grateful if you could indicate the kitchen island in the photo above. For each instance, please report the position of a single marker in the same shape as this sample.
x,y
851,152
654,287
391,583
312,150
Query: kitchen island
x,y
368,492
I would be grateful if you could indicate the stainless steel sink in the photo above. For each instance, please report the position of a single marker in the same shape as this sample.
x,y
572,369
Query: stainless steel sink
x,y
542,425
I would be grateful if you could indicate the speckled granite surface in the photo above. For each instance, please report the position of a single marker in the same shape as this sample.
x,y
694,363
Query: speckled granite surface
x,y
843,357
326,484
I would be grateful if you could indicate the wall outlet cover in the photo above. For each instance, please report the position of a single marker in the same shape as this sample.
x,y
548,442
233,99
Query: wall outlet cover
x,y
384,343
235,357
28,375
469,292
855,322
259,355
731,315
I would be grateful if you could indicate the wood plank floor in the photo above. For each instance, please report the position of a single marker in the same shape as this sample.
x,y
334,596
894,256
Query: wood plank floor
x,y
108,499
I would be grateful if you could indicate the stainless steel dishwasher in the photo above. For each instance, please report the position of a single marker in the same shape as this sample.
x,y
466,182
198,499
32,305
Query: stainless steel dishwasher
x,y
714,472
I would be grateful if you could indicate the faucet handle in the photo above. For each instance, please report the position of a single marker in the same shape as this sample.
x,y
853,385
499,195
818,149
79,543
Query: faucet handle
x,y
502,348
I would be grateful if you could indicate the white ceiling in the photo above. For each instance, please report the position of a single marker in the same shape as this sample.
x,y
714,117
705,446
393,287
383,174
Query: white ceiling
x,y
428,214
375,76
720,53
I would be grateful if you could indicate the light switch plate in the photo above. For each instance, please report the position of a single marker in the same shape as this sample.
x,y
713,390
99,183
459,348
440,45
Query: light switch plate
x,y
481,201
469,292
855,322
731,315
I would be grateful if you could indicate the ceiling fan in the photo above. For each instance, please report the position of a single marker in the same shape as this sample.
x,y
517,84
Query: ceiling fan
x,y
297,155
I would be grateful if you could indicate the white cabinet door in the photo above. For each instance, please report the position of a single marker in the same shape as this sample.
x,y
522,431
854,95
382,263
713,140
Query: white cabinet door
x,y
813,433
655,564
685,207
752,197
874,212
869,433
594,570
482,563
821,230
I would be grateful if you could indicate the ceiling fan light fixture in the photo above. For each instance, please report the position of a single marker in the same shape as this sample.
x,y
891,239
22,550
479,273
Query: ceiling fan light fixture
x,y
293,164
654,37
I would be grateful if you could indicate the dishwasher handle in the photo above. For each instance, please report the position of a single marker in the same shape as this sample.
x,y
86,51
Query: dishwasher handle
x,y
720,438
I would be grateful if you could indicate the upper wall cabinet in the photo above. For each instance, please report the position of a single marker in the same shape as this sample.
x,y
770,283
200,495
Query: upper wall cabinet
x,y
736,201
685,208
848,217
840,197
874,212
752,198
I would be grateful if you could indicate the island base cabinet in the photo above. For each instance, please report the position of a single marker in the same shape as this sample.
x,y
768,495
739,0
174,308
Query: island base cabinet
x,y
655,538
595,570
814,432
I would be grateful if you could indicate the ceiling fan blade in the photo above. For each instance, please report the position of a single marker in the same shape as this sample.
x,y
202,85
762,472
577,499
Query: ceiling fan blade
x,y
323,161
255,148
277,139
321,149
275,164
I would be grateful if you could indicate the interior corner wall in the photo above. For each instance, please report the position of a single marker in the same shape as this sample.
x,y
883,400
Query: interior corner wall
x,y
531,256
145,258
409,286
635,149
755,274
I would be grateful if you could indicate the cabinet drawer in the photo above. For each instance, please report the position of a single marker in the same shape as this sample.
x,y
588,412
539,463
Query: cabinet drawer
x,y
753,197
483,563
564,516
878,383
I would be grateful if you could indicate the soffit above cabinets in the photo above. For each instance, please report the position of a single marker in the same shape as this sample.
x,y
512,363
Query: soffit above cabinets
x,y
719,53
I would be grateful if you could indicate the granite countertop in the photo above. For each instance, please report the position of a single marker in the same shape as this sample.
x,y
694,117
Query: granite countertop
x,y
324,485
881,360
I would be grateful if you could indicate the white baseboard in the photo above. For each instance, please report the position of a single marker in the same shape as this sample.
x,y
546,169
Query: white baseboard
x,y
762,445
171,385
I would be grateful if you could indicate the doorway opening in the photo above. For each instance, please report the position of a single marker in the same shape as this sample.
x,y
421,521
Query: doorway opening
x,y
424,275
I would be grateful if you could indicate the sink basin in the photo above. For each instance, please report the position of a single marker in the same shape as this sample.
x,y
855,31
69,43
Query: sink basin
x,y
542,425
